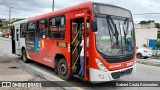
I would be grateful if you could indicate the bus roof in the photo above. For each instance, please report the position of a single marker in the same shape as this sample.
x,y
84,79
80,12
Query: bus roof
x,y
21,21
62,11
69,9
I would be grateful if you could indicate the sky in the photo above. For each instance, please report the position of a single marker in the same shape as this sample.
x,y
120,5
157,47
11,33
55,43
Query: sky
x,y
30,8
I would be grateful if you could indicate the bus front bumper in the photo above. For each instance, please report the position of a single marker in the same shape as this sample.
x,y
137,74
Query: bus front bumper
x,y
98,76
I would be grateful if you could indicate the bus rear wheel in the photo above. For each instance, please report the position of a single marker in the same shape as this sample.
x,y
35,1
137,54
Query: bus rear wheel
x,y
63,69
24,56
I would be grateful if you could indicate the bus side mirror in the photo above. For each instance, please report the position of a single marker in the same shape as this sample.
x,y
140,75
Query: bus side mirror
x,y
94,26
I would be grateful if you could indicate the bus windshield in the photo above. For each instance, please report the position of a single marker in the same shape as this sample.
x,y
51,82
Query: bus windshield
x,y
115,35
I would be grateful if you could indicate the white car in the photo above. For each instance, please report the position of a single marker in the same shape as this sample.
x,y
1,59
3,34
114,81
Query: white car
x,y
143,52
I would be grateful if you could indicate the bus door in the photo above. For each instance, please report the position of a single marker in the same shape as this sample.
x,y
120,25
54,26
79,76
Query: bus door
x,y
13,39
17,39
78,33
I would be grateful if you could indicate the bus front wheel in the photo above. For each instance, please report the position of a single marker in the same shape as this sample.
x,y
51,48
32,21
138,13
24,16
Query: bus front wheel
x,y
24,56
63,69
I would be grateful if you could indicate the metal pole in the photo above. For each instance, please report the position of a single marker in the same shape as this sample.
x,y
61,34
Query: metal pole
x,y
10,8
53,6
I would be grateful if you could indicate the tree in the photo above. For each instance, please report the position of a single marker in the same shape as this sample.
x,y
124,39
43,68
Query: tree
x,y
144,45
158,44
158,35
143,22
146,22
150,21
157,25
1,25
0,21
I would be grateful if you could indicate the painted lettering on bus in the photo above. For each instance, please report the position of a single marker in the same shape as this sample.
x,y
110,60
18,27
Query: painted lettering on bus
x,y
80,14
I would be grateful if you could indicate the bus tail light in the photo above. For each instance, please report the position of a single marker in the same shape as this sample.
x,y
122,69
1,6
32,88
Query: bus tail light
x,y
101,65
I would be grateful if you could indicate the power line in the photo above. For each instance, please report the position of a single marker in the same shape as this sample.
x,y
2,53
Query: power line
x,y
147,14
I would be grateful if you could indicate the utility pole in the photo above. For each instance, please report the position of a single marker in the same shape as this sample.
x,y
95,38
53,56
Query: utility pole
x,y
10,8
53,6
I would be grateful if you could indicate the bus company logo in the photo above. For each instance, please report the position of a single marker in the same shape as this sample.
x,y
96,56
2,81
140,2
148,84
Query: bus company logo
x,y
115,66
130,64
42,44
6,84
80,14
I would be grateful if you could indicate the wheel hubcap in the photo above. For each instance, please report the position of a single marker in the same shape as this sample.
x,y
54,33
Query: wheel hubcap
x,y
63,69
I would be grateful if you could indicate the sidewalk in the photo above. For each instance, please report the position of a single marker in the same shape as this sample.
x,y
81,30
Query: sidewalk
x,y
150,61
9,72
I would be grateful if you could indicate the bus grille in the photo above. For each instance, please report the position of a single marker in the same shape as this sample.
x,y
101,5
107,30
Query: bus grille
x,y
116,75
117,59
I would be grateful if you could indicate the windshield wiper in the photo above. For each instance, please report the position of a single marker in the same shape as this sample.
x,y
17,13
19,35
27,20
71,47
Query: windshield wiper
x,y
126,23
112,27
125,29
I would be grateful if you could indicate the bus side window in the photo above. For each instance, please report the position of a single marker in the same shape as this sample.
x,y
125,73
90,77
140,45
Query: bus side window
x,y
41,28
57,27
31,29
23,28
17,33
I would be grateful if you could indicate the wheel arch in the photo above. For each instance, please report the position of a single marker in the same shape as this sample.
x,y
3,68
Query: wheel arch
x,y
23,48
140,53
57,58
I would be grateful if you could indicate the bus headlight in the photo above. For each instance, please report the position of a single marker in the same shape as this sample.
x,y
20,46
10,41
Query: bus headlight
x,y
101,65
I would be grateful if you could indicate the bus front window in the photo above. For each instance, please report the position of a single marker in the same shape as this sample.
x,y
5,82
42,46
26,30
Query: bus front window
x,y
114,36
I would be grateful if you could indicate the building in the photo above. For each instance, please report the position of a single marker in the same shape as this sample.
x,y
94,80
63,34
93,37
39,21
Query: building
x,y
145,33
5,22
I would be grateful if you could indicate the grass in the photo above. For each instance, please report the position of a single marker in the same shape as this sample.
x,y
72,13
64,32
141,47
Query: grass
x,y
1,30
155,57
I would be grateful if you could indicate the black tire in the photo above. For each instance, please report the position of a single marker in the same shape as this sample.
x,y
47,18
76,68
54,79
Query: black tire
x,y
24,56
55,70
139,55
63,69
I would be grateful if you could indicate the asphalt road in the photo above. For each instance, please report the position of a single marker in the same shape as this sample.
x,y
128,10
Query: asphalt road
x,y
143,73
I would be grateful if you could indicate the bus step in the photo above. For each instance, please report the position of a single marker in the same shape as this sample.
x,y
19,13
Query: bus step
x,y
76,76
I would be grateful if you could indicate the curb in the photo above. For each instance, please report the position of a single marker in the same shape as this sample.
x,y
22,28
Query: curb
x,y
148,63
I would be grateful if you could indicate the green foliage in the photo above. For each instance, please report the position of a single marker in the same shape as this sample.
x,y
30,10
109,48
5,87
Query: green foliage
x,y
157,25
146,22
150,21
143,22
1,30
144,45
1,25
158,35
158,44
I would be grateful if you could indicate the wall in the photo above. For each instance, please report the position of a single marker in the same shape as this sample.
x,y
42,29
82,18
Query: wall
x,y
144,34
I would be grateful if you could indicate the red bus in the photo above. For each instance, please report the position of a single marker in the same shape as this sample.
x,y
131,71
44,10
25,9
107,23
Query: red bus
x,y
54,38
